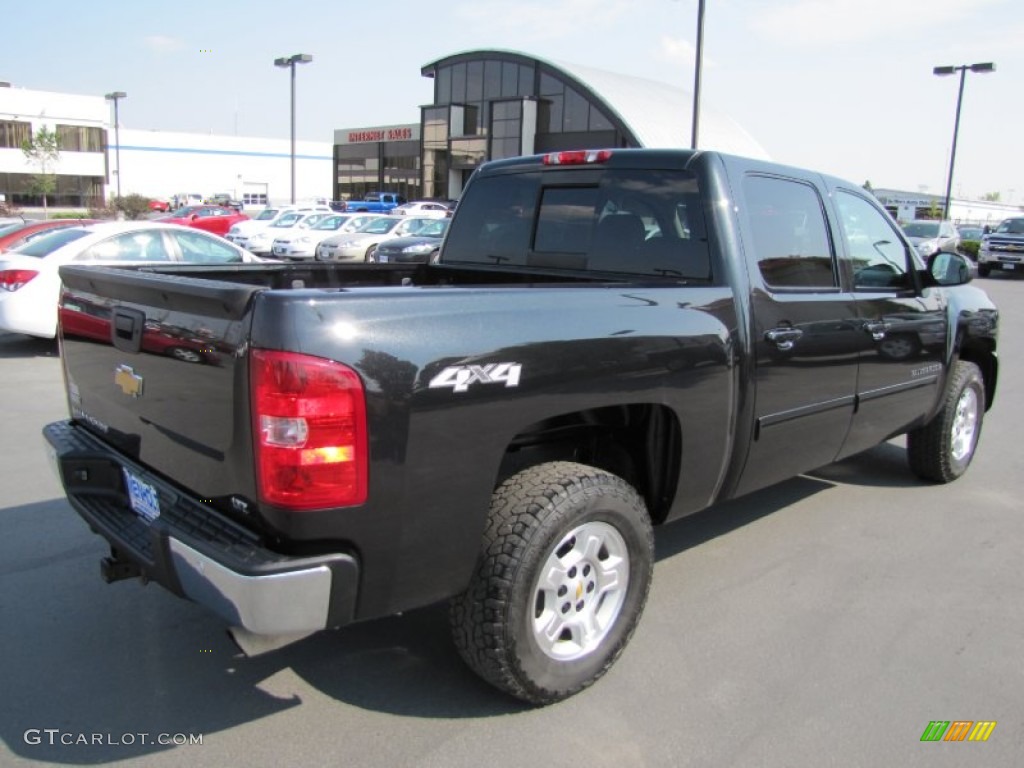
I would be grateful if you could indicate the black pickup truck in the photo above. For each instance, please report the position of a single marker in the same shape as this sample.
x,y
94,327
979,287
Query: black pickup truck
x,y
608,341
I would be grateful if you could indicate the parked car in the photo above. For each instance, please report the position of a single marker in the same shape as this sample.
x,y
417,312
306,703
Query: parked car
x,y
360,245
421,247
209,218
375,202
930,237
261,242
269,215
224,199
1003,247
160,206
302,244
17,235
426,208
30,285
970,233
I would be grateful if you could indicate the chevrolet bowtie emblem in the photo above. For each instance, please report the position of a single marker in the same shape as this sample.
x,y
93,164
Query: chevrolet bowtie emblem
x,y
128,381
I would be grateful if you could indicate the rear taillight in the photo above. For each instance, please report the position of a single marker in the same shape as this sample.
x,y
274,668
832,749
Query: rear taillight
x,y
309,419
578,157
13,279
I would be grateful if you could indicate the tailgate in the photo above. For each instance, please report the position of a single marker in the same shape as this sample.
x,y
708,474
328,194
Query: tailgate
x,y
153,366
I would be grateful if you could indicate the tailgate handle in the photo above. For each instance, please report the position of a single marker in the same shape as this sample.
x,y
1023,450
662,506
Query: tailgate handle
x,y
126,329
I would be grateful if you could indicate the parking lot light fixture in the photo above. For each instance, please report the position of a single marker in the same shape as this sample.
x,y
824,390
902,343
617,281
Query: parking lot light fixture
x,y
116,96
981,68
290,62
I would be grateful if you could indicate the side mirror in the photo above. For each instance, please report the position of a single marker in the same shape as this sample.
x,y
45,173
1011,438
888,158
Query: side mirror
x,y
193,217
950,268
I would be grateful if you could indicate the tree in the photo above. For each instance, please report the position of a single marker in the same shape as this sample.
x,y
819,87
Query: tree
x,y
43,150
991,197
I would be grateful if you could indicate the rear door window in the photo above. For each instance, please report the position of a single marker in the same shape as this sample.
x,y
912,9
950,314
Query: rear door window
x,y
790,238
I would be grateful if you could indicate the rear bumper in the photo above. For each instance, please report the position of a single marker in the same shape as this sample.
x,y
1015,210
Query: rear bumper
x,y
196,552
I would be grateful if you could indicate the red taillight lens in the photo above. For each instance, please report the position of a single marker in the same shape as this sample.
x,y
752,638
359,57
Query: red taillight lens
x,y
13,279
309,419
578,157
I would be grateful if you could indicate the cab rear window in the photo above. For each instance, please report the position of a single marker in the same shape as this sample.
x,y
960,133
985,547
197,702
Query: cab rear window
x,y
646,223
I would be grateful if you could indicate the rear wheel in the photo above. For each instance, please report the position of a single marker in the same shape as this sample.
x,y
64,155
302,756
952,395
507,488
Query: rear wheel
x,y
371,253
561,582
942,449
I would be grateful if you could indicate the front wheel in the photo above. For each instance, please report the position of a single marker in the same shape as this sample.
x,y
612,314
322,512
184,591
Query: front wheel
x,y
560,584
984,270
371,254
942,450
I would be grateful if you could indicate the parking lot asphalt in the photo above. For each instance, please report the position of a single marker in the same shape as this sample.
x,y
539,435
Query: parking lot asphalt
x,y
823,622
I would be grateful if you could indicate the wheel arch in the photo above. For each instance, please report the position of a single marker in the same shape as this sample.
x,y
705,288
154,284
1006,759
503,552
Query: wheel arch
x,y
982,353
639,442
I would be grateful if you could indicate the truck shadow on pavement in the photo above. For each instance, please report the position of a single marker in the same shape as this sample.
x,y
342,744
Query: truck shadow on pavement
x,y
88,660
883,466
14,345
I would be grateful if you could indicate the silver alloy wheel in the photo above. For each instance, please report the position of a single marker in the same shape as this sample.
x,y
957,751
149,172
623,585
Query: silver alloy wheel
x,y
965,424
580,591
186,355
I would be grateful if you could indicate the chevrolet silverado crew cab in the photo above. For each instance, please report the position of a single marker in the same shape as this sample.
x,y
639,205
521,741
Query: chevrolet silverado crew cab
x,y
1002,248
609,341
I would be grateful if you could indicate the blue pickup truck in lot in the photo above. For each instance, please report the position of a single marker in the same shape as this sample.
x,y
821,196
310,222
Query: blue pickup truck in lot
x,y
608,340
374,202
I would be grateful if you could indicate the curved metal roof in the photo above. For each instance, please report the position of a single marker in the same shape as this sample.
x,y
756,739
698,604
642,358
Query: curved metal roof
x,y
655,113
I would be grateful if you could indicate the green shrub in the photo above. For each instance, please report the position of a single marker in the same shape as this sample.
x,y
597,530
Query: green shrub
x,y
69,215
104,212
133,206
970,248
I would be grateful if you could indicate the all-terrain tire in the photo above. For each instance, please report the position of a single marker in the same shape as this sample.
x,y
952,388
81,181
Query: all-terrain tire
x,y
560,584
942,450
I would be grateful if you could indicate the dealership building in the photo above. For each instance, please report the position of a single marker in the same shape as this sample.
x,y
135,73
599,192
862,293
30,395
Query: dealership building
x,y
487,104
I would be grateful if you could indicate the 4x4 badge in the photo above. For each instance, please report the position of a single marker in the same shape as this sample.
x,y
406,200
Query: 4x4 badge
x,y
129,381
459,377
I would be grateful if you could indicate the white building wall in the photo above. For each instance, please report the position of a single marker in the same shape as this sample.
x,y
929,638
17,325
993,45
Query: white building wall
x,y
44,109
161,164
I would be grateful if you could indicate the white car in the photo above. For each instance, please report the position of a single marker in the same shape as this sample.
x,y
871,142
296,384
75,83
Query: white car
x,y
302,244
360,245
425,208
30,283
268,216
261,242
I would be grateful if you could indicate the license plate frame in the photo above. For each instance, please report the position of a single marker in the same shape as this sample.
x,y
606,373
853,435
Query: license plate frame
x,y
142,496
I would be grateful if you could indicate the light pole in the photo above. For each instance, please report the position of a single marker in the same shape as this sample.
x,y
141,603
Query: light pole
x,y
699,64
114,97
962,69
291,61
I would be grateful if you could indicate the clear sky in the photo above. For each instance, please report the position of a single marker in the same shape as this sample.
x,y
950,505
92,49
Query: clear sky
x,y
841,86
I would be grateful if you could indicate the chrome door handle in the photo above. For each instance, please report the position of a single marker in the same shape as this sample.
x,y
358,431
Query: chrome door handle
x,y
783,338
877,329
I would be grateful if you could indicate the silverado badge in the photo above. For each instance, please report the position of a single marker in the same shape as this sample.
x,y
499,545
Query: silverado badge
x,y
129,382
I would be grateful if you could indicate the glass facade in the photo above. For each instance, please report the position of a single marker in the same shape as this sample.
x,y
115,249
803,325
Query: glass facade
x,y
487,105
480,113
367,165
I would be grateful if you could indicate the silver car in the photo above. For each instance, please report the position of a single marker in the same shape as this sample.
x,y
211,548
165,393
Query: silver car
x,y
361,244
300,244
261,241
930,237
